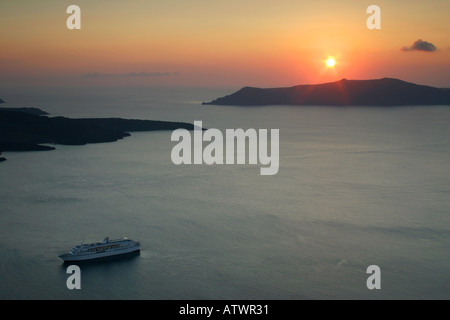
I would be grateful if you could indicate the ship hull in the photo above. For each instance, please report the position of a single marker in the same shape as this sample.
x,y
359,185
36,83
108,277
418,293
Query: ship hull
x,y
83,257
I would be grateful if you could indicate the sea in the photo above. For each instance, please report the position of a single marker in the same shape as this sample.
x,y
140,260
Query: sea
x,y
356,187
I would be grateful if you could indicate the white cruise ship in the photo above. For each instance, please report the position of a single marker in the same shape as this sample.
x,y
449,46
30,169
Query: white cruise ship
x,y
106,248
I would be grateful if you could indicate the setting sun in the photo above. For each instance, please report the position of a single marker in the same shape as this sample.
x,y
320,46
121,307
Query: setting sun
x,y
330,62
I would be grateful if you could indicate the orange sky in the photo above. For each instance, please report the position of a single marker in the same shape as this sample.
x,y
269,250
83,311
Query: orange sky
x,y
263,43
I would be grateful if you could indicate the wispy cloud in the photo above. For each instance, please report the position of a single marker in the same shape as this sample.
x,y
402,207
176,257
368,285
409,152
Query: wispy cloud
x,y
131,74
420,45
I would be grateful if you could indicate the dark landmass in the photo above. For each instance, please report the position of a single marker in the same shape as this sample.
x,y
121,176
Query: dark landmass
x,y
21,131
35,111
379,92
2,101
19,146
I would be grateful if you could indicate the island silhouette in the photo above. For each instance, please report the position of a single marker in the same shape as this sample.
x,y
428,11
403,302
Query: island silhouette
x,y
375,92
25,129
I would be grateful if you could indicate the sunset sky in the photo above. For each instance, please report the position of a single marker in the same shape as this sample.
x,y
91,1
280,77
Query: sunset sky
x,y
264,43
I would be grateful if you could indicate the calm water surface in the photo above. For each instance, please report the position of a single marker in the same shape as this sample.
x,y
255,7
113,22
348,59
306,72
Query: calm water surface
x,y
356,187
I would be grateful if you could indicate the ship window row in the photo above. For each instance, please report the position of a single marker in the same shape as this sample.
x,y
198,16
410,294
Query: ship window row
x,y
104,248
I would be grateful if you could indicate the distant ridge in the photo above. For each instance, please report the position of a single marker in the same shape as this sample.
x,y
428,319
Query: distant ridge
x,y
376,92
30,110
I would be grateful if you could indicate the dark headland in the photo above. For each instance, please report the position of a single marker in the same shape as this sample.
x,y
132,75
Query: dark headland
x,y
22,130
378,92
30,110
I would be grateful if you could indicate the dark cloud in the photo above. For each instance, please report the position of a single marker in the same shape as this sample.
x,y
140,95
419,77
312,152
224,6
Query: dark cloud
x,y
131,74
420,45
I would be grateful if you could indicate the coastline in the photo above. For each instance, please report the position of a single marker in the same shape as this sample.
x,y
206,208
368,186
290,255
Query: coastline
x,y
21,130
